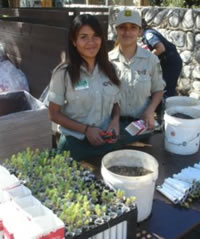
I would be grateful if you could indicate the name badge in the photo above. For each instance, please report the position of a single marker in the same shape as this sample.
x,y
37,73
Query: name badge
x,y
82,84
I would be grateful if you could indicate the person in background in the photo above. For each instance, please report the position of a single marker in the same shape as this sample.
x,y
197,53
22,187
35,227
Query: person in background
x,y
138,69
84,91
170,59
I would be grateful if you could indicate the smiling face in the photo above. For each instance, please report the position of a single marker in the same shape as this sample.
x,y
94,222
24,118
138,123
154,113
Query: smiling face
x,y
87,43
127,34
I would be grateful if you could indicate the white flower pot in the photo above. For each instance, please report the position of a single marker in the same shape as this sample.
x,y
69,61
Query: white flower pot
x,y
140,186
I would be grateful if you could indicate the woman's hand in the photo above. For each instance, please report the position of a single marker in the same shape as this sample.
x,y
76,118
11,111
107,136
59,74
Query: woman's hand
x,y
93,136
148,115
148,118
114,127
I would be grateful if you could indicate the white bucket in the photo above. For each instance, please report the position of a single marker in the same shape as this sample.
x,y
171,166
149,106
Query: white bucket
x,y
182,136
182,101
140,186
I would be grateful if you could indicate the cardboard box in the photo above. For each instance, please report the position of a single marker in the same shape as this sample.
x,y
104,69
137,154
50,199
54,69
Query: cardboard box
x,y
29,128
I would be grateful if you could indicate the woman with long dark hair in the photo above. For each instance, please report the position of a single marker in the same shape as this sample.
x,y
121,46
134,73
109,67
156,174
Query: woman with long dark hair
x,y
84,91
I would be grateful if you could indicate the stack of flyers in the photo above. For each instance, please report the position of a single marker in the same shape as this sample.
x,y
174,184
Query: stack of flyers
x,y
138,127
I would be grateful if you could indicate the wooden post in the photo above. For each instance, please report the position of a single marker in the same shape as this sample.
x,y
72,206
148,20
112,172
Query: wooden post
x,y
14,3
142,2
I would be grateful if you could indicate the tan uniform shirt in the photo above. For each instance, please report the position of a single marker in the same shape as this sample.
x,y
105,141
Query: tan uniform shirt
x,y
140,77
89,102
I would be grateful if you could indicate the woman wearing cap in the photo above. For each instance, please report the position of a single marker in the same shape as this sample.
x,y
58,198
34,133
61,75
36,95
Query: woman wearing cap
x,y
83,93
138,69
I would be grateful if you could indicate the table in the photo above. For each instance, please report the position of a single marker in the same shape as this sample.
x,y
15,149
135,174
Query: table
x,y
167,221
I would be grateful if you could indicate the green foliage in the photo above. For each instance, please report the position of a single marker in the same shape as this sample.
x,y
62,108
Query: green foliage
x,y
62,185
192,196
192,3
155,2
176,3
120,194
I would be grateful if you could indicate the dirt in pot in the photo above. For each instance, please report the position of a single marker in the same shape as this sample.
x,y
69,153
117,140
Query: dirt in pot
x,y
182,116
129,171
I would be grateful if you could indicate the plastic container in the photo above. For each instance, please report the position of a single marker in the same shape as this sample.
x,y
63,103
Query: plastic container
x,y
16,224
182,135
142,187
18,192
25,202
8,181
182,101
1,229
126,222
4,171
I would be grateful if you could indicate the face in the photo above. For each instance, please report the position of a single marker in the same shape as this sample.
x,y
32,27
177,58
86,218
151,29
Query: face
x,y
127,34
87,43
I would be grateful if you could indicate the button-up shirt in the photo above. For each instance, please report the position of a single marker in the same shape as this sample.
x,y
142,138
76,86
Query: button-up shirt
x,y
90,101
140,77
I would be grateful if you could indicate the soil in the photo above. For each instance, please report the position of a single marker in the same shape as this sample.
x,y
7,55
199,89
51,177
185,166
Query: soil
x,y
129,171
182,116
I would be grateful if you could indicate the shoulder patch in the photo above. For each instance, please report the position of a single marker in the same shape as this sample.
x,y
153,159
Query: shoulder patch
x,y
127,13
149,35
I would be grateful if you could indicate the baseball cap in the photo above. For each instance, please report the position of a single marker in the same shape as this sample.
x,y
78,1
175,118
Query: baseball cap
x,y
129,16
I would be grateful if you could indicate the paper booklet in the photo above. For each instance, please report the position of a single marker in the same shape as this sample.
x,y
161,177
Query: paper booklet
x,y
138,127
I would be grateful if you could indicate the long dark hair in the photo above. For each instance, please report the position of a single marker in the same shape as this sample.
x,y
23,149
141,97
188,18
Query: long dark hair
x,y
74,59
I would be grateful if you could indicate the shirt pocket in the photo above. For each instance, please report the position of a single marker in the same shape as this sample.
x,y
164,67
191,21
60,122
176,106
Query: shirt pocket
x,y
143,85
111,95
79,102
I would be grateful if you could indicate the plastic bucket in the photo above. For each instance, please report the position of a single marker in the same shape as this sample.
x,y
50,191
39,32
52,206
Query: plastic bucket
x,y
182,101
142,187
182,136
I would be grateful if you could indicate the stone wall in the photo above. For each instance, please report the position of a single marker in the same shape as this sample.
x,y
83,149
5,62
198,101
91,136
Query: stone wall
x,y
182,27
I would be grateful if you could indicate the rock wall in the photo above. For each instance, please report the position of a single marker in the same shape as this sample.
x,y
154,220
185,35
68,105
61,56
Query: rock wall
x,y
182,27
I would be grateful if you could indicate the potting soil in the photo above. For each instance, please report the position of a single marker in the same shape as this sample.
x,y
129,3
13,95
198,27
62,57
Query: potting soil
x,y
182,116
129,171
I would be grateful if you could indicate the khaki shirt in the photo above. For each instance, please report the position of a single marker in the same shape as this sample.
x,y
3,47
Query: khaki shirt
x,y
89,102
140,77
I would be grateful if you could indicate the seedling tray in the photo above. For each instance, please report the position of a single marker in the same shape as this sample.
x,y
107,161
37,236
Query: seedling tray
x,y
130,217
77,197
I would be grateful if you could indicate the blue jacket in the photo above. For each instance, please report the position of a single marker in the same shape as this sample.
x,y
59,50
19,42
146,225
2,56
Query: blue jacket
x,y
151,37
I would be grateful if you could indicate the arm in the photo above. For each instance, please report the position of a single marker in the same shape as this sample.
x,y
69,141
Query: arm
x,y
58,117
114,123
148,115
159,48
157,86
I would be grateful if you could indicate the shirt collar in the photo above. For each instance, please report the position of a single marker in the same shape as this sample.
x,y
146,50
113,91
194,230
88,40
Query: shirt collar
x,y
116,55
84,69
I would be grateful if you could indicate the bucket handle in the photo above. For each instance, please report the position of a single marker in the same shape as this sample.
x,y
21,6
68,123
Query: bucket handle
x,y
184,143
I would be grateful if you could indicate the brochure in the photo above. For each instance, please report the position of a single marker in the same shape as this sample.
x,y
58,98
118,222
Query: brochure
x,y
138,127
